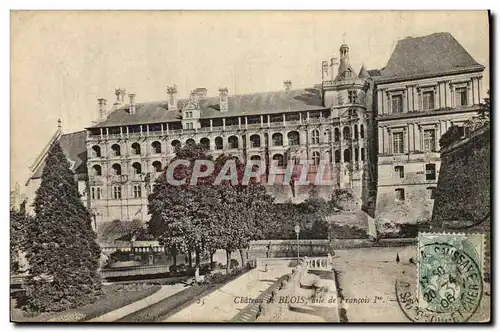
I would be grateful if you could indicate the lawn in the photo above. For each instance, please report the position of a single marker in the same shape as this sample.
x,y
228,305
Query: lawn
x,y
115,296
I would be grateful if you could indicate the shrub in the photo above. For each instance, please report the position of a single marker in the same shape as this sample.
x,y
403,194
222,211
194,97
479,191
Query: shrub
x,y
234,264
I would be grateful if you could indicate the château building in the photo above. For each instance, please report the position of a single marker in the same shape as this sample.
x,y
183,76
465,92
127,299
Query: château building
x,y
377,130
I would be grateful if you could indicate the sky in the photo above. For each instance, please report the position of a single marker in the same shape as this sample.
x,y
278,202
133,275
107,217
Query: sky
x,y
62,61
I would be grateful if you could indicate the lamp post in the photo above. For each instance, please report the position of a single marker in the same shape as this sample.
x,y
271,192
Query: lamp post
x,y
297,231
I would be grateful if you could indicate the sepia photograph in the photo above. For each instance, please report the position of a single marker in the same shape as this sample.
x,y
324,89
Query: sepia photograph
x,y
250,166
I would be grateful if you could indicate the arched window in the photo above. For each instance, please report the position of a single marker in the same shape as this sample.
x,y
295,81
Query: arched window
x,y
255,157
117,169
137,168
337,156
356,133
277,139
157,166
347,133
315,157
255,141
96,151
280,159
156,147
347,155
356,154
337,134
97,170
136,148
293,138
315,136
233,142
328,135
362,131
219,143
330,157
190,142
176,143
116,150
362,154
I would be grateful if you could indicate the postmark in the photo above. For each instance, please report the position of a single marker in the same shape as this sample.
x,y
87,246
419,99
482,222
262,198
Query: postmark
x,y
449,283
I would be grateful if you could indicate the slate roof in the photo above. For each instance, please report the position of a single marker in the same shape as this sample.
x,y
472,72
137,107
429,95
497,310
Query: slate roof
x,y
74,148
438,53
239,105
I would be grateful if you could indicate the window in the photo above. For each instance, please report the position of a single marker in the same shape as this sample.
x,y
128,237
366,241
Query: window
x,y
219,143
137,168
428,100
347,133
352,95
96,151
430,172
397,143
176,144
95,193
279,158
156,147
189,125
116,150
362,154
429,140
337,134
190,142
205,142
347,155
157,166
233,142
97,170
356,133
315,157
293,138
256,157
328,135
117,169
461,131
400,194
431,192
397,104
315,137
255,141
337,156
399,171
461,97
362,131
136,148
356,154
117,192
330,156
277,139
347,73
137,191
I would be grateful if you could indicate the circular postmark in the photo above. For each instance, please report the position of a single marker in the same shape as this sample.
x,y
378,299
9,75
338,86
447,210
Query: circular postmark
x,y
449,286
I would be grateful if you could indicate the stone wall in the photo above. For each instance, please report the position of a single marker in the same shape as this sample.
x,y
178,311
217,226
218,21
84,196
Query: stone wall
x,y
463,201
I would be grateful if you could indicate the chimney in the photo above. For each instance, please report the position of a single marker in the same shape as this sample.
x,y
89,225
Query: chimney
x,y
201,92
102,108
324,71
131,97
333,68
172,103
287,84
224,105
120,96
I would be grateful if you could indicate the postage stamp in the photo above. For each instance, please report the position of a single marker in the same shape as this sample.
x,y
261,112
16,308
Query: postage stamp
x,y
450,274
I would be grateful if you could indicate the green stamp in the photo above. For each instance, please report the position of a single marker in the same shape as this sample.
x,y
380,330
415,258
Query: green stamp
x,y
450,274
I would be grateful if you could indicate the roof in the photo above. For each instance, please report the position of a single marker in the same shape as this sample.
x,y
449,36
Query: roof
x,y
363,73
74,148
374,72
239,105
437,53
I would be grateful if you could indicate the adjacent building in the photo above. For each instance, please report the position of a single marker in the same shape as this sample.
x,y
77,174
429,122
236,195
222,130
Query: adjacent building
x,y
377,130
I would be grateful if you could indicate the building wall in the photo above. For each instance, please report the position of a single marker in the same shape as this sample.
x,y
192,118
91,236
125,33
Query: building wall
x,y
417,152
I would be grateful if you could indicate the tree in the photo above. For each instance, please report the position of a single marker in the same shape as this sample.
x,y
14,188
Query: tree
x,y
63,254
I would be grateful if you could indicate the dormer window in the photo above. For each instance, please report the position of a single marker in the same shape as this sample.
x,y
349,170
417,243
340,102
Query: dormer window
x,y
189,115
348,73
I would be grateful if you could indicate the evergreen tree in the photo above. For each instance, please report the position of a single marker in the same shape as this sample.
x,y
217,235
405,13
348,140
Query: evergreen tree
x,y
63,254
18,221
